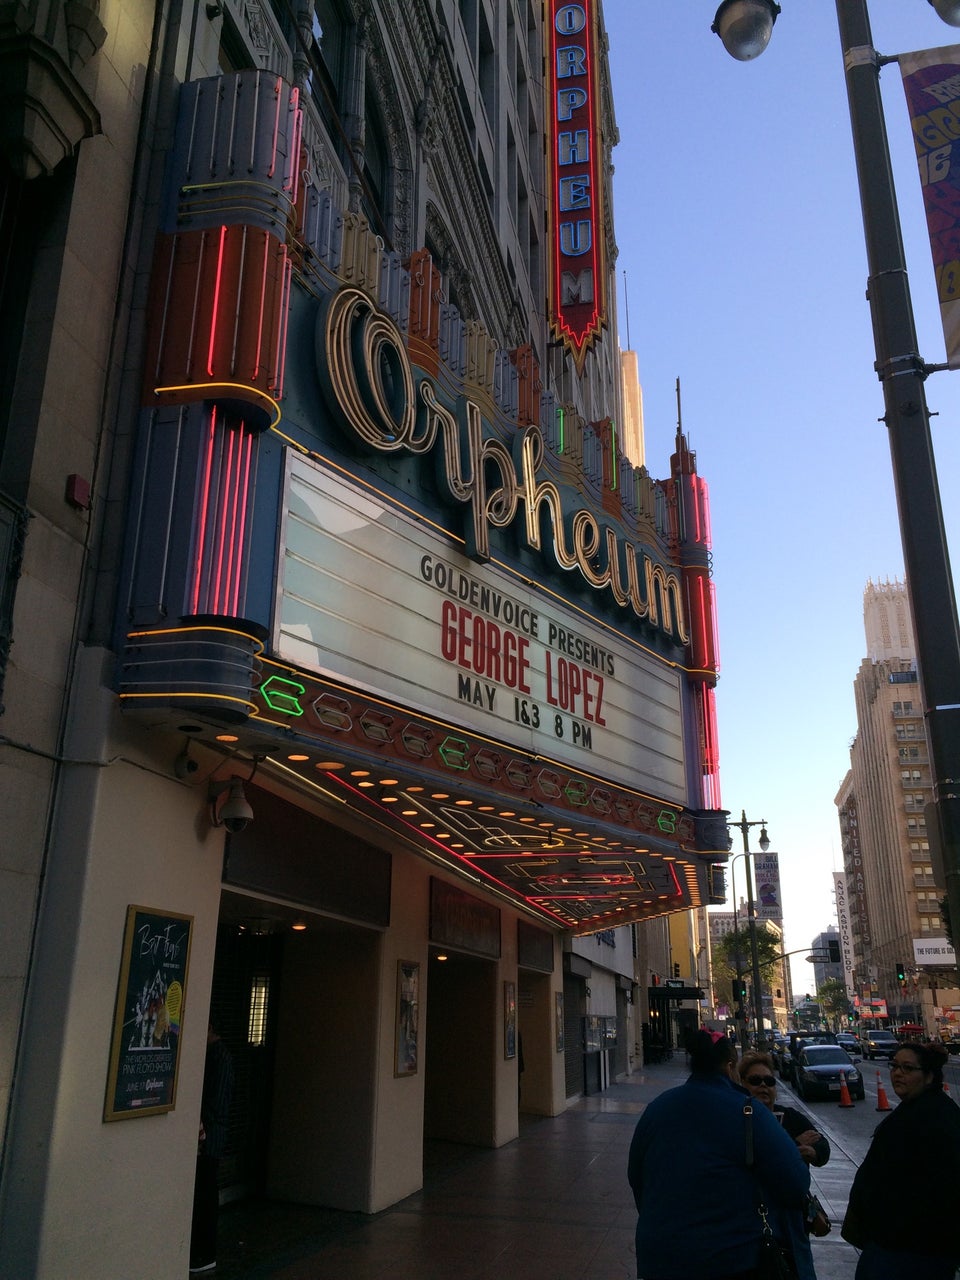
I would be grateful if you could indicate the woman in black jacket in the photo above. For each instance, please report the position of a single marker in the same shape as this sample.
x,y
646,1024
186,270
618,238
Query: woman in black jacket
x,y
905,1199
756,1075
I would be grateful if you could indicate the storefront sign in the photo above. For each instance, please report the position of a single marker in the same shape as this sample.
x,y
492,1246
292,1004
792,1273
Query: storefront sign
x,y
846,936
151,994
379,600
460,920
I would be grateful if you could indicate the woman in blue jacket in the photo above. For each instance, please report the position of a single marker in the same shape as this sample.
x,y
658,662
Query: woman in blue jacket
x,y
696,1189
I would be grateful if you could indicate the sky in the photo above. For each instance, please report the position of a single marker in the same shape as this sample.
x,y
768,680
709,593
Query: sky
x,y
742,272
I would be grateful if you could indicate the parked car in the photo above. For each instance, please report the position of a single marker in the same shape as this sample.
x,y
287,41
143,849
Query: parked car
x,y
797,1042
879,1044
847,1040
819,1070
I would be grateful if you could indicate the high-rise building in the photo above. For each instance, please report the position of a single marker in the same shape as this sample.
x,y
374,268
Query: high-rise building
x,y
823,967
904,971
358,684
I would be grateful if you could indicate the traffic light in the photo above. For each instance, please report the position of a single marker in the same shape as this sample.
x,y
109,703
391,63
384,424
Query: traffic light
x,y
833,950
676,970
901,976
739,990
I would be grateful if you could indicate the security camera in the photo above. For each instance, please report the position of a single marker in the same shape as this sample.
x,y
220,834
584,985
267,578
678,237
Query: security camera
x,y
234,813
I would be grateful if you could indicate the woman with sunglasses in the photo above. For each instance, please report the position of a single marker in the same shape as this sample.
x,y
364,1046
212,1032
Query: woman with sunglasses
x,y
756,1076
905,1197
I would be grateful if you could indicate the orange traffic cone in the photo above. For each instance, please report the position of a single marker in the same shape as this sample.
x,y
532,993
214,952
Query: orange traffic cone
x,y
845,1099
883,1102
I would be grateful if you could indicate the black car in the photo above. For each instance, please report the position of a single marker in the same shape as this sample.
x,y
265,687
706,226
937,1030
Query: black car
x,y
819,1070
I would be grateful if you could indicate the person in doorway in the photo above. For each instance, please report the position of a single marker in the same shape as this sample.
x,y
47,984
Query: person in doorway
x,y
214,1133
702,1161
904,1197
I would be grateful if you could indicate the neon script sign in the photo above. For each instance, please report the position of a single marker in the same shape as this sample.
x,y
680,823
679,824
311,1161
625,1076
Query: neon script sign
x,y
369,380
577,275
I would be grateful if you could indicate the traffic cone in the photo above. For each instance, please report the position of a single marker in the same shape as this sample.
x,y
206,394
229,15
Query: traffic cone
x,y
883,1102
845,1099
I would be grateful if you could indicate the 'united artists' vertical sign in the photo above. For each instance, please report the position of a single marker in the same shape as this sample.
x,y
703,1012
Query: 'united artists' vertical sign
x,y
577,276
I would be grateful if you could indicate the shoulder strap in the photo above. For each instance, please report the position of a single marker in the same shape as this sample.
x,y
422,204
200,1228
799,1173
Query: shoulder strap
x,y
748,1123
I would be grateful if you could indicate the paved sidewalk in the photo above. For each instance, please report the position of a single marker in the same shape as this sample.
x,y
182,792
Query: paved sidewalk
x,y
553,1205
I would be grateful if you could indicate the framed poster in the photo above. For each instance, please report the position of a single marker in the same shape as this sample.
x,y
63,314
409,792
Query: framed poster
x,y
558,1020
151,997
408,1009
509,1019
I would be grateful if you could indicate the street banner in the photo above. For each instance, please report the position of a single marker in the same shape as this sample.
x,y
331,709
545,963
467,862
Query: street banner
x,y
767,870
931,82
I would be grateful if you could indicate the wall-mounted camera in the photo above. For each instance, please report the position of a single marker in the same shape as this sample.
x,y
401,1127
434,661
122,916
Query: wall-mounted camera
x,y
228,805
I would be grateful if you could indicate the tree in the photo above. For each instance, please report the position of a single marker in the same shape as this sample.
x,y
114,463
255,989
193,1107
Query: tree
x,y
832,994
733,952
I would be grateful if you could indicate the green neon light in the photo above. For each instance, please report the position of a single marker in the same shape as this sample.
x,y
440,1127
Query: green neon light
x,y
283,695
667,821
562,425
576,792
613,455
455,752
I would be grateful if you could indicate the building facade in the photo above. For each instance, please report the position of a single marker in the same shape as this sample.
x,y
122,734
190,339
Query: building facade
x,y
823,967
903,969
358,687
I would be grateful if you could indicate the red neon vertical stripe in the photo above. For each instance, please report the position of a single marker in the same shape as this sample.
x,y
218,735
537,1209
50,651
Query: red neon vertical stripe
x,y
263,305
276,127
214,315
236,448
244,492
204,513
223,514
281,361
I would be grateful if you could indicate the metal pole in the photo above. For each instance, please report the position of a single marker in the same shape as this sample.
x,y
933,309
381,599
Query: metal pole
x,y
760,1038
902,373
741,1018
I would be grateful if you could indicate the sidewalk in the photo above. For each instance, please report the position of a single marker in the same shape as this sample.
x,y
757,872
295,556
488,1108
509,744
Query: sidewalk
x,y
553,1205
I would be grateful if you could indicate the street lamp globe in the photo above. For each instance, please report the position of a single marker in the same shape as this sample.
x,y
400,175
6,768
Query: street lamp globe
x,y
764,840
949,11
745,26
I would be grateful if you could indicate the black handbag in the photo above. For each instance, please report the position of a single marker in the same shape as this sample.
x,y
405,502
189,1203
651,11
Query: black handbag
x,y
774,1260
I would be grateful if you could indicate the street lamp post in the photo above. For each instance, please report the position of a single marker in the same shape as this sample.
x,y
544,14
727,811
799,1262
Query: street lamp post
x,y
902,373
737,956
764,843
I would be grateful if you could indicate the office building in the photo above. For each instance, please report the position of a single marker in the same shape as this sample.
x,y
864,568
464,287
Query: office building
x,y
903,968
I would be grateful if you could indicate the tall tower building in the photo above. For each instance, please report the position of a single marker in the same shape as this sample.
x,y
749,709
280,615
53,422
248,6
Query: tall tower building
x,y
904,971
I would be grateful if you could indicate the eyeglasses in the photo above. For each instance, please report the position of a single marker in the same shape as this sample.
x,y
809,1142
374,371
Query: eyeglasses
x,y
904,1066
756,1081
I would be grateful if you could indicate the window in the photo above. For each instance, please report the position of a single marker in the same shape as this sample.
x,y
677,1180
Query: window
x,y
376,165
257,1018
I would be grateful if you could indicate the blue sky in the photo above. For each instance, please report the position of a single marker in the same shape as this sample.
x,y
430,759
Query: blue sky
x,y
743,266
